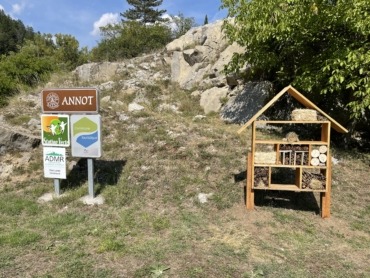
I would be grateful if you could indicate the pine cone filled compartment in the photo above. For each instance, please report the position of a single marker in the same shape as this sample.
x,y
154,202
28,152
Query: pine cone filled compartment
x,y
261,177
313,179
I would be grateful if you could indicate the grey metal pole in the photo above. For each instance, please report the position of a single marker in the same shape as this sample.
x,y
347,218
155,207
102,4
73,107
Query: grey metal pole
x,y
90,169
57,187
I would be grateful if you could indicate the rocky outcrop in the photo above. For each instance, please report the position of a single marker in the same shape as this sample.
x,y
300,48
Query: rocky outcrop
x,y
104,71
129,75
197,59
17,140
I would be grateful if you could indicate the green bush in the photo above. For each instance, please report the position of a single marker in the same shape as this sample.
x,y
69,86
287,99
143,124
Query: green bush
x,y
320,47
130,39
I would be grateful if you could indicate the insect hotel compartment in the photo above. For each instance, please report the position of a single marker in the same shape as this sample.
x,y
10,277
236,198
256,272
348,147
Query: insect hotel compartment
x,y
313,179
294,155
261,176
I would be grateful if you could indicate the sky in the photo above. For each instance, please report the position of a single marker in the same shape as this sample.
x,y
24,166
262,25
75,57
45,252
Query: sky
x,y
82,18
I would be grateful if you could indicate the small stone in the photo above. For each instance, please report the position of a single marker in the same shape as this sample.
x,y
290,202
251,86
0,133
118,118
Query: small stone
x,y
135,107
88,200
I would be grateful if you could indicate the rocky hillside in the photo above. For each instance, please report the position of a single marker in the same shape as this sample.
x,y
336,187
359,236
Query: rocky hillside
x,y
194,62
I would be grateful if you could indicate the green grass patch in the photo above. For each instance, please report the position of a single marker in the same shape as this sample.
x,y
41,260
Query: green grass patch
x,y
19,237
14,205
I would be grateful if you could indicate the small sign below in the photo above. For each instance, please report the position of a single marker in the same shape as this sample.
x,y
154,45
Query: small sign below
x,y
84,100
55,163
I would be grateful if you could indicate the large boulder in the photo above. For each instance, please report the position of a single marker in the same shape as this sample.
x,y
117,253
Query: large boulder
x,y
244,106
211,99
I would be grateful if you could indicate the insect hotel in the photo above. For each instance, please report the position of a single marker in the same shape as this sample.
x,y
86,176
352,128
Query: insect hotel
x,y
296,154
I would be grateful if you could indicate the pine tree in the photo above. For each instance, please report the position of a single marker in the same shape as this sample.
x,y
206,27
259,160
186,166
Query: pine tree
x,y
144,11
206,20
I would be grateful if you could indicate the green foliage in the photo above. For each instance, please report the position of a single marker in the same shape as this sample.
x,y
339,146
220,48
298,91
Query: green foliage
x,y
12,33
130,39
67,52
35,60
320,47
26,67
144,11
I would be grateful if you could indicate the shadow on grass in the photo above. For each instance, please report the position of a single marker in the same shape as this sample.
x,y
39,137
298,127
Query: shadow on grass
x,y
304,201
106,173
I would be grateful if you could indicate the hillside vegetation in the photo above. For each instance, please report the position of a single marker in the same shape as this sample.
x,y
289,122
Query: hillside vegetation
x,y
155,164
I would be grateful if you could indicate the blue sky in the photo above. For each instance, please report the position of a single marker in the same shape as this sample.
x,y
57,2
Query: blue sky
x,y
82,18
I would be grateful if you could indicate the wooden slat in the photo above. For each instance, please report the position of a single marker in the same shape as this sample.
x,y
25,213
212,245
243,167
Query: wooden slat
x,y
325,197
288,187
250,179
291,122
281,142
298,177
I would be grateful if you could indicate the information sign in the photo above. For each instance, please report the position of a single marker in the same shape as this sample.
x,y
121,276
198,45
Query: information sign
x,y
85,137
55,130
84,100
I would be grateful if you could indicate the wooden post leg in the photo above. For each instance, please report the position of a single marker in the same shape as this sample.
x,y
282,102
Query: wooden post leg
x,y
325,204
250,190
325,196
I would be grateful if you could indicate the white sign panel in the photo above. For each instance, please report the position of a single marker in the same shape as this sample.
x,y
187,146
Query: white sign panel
x,y
55,163
85,137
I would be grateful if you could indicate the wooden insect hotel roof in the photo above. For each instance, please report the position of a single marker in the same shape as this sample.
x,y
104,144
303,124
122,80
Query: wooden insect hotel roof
x,y
301,99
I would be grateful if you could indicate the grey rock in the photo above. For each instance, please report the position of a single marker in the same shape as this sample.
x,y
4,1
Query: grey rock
x,y
245,105
17,140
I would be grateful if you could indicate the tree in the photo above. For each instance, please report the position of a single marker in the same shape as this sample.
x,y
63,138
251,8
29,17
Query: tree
x,y
13,33
321,47
130,39
205,20
144,11
182,24
67,51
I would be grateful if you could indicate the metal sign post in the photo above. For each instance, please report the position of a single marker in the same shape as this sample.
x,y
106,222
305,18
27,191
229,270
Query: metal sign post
x,y
57,187
54,159
90,175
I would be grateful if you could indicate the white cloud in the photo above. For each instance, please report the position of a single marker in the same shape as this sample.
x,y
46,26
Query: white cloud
x,y
2,8
105,19
18,8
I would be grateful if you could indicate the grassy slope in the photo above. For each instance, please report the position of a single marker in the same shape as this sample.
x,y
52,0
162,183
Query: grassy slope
x,y
152,225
